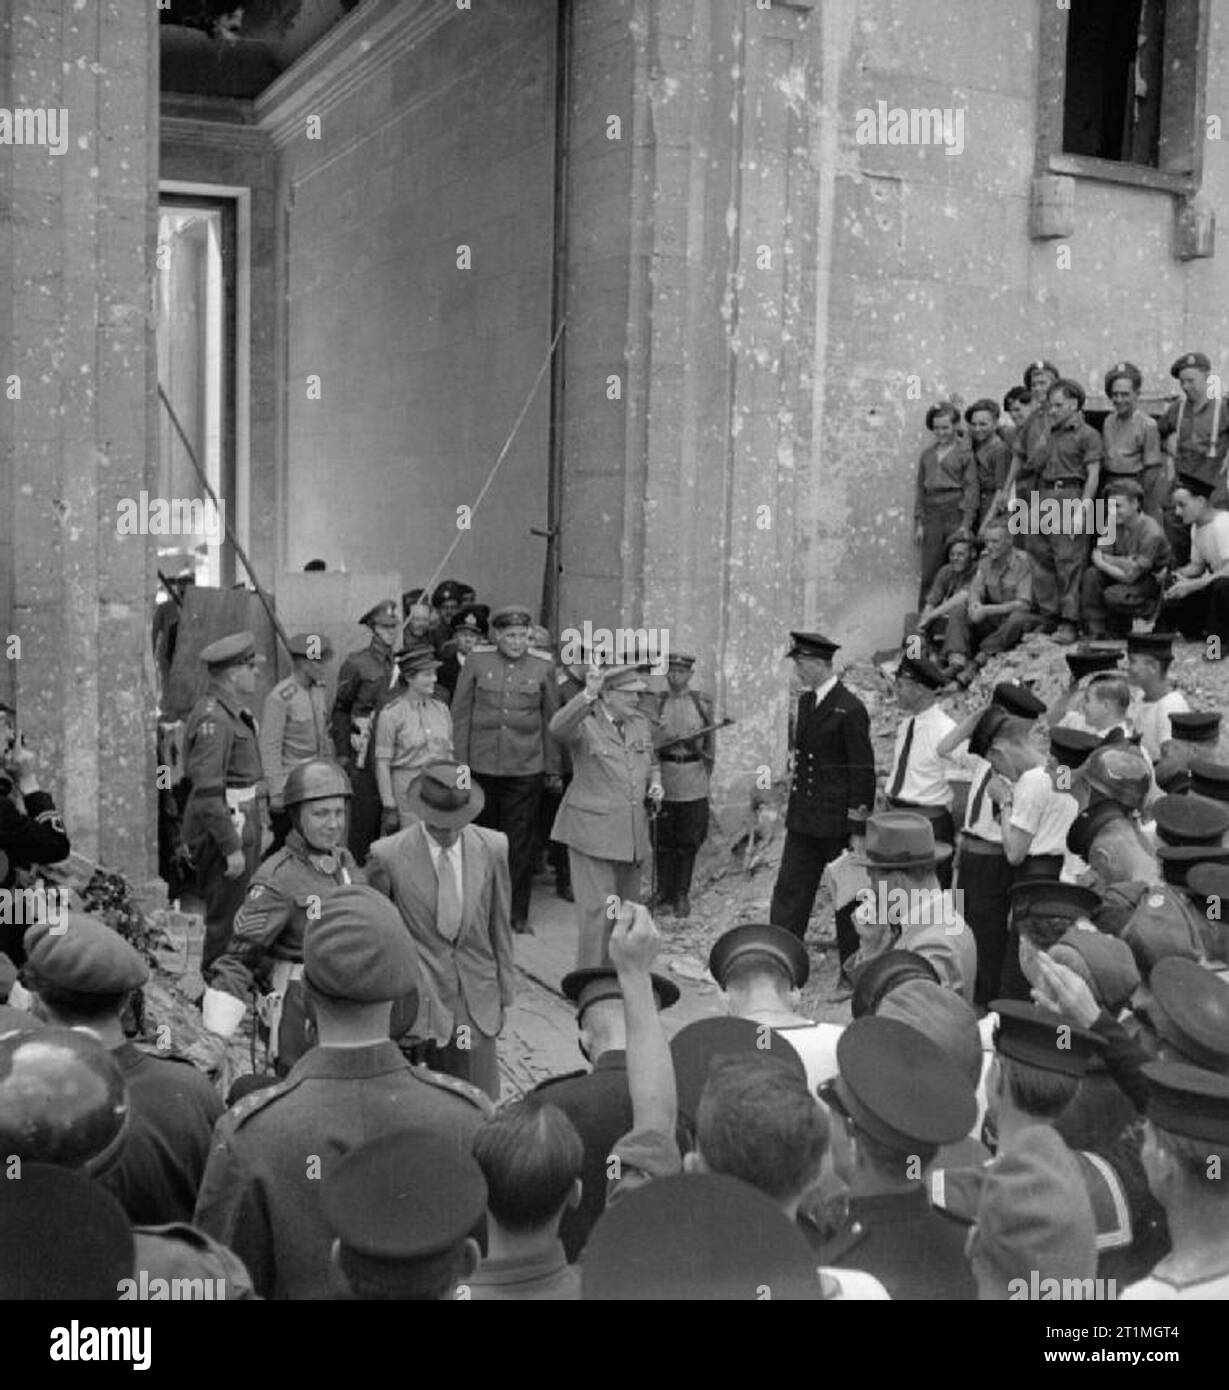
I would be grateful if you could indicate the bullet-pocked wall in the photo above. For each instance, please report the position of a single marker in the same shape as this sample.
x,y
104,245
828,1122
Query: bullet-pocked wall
x,y
417,210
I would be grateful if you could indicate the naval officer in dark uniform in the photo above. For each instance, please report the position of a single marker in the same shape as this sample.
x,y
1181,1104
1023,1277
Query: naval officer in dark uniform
x,y
366,682
833,788
224,825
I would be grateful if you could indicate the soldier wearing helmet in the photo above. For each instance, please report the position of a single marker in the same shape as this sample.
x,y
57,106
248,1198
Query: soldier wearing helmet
x,y
1111,788
266,950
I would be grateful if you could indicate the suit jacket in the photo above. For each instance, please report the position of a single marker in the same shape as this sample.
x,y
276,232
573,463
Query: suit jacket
x,y
602,812
834,766
478,966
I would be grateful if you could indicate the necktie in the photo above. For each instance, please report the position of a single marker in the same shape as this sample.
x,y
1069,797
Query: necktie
x,y
978,797
448,906
902,765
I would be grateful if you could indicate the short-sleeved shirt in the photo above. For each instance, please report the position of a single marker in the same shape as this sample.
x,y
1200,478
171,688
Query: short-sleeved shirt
x,y
1130,445
412,732
948,582
1002,583
1210,542
1042,812
1073,448
1140,546
1151,720
925,776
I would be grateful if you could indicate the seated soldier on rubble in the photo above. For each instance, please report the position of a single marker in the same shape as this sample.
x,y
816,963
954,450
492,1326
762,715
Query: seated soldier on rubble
x,y
1000,606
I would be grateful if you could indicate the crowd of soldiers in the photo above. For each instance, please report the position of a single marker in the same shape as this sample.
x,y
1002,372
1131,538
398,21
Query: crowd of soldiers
x,y
1031,1099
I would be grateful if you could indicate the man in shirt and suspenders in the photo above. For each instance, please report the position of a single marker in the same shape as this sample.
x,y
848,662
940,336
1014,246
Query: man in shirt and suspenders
x,y
917,780
1195,429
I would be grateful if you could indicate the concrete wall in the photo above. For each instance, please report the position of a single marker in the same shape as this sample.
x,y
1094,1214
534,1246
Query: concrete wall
x,y
436,130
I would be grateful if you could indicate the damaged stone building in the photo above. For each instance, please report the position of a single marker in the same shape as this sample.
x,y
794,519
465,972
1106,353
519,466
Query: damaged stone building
x,y
343,236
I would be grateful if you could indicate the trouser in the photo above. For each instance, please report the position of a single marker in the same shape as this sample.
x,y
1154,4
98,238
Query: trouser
x,y
682,827
991,635
512,807
940,819
595,882
220,895
1204,613
803,861
939,520
1058,565
1013,983
365,809
556,854
984,878
471,1055
1110,604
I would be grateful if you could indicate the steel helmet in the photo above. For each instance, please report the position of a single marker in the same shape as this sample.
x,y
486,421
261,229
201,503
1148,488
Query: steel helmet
x,y
62,1099
313,781
1119,771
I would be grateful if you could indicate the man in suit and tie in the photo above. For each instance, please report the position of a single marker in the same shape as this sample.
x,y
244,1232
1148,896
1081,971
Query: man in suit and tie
x,y
450,881
602,818
833,788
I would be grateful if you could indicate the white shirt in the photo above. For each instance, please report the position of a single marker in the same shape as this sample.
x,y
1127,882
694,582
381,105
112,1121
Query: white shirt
x,y
452,859
1042,812
816,1045
1151,720
925,780
821,691
986,824
1210,542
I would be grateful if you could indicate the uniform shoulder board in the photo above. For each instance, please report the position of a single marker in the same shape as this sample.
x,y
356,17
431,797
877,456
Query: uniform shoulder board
x,y
565,1076
457,1087
243,1110
548,657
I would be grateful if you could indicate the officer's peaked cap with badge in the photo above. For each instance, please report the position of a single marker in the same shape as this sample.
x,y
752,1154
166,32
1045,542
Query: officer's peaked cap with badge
x,y
236,649
446,590
698,1044
1198,360
315,780
1043,1039
418,657
1188,1101
83,954
472,617
758,940
597,982
313,645
512,615
804,644
383,613
627,677
441,796
358,949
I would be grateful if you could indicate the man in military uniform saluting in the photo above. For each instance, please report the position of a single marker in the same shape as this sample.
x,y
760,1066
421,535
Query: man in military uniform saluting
x,y
287,892
832,791
294,726
366,682
223,825
501,712
686,767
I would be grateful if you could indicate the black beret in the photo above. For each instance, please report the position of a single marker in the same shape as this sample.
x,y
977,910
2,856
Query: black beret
x,y
760,939
1190,359
84,954
1188,1101
359,949
1127,369
1043,1039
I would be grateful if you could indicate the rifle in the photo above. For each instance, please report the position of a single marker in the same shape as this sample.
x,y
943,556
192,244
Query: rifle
x,y
695,733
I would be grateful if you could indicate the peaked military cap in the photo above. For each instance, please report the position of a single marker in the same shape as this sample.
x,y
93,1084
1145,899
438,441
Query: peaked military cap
x,y
695,1045
812,644
473,617
917,668
313,645
697,1236
1197,487
899,1086
1043,1039
597,982
992,719
1177,860
1052,898
1127,369
1018,700
1085,660
1210,778
1188,1101
1198,360
1189,1008
232,650
875,980
759,939
684,659
512,615
1072,746
87,956
1196,726
446,589
1211,881
1190,819
384,612
1158,644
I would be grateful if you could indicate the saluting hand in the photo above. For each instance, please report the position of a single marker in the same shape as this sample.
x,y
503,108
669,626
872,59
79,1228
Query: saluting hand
x,y
595,678
1065,991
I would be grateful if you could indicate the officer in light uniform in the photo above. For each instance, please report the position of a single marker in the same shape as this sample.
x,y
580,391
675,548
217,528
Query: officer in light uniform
x,y
686,769
294,726
223,822
286,894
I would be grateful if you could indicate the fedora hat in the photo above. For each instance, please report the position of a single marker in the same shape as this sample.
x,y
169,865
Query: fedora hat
x,y
440,800
901,840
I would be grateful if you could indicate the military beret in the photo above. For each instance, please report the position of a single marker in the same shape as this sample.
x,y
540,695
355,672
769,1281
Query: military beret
x,y
1043,1039
682,659
512,615
1127,369
445,590
1210,779
812,644
1188,1101
1198,360
924,672
384,612
1158,644
85,955
629,678
359,949
63,1236
695,1045
418,657
1052,898
1190,819
941,1015
233,650
899,1086
1177,860
881,974
313,645
473,617
1071,747
402,1198
702,1236
1189,1008
1034,1216
1039,366
759,939
1196,726
1018,700
1083,661
1105,962
1196,486
597,982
